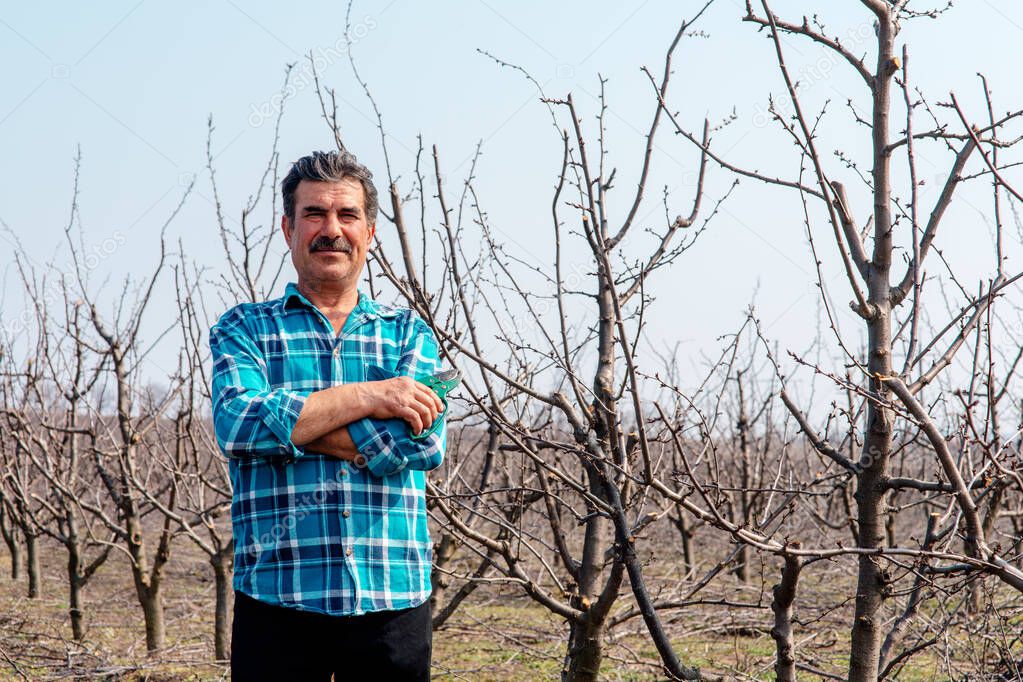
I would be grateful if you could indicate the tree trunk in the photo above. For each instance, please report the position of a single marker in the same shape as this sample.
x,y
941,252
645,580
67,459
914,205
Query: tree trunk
x,y
585,651
74,581
871,586
13,547
742,427
1017,543
152,611
594,537
872,582
742,564
889,526
147,584
223,563
76,612
685,530
974,596
32,554
148,578
784,596
439,579
975,600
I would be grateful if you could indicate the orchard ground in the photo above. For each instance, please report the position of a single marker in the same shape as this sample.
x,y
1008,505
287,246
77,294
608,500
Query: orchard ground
x,y
498,633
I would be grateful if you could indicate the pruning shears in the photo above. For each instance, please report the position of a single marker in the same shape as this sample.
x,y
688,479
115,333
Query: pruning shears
x,y
441,384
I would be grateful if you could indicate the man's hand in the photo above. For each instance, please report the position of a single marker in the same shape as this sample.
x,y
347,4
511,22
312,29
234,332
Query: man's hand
x,y
402,398
335,407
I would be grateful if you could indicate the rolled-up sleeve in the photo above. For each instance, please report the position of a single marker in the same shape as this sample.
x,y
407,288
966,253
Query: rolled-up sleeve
x,y
250,418
387,444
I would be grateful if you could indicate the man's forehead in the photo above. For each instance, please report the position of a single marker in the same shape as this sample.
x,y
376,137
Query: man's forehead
x,y
348,190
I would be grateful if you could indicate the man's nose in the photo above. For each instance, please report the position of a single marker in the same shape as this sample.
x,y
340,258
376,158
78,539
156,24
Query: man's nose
x,y
331,225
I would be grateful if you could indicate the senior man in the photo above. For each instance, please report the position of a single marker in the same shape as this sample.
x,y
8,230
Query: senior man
x,y
332,552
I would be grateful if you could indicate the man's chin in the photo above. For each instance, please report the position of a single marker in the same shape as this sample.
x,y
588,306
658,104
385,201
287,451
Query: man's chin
x,y
338,272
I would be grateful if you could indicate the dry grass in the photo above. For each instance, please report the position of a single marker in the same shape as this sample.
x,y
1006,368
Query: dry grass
x,y
496,635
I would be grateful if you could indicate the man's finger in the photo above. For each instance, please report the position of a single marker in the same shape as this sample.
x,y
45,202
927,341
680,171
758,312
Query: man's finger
x,y
424,418
438,404
435,405
429,416
430,399
415,421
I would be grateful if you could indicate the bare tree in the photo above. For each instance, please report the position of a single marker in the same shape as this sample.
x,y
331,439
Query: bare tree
x,y
188,454
22,483
124,436
9,532
46,423
888,394
570,424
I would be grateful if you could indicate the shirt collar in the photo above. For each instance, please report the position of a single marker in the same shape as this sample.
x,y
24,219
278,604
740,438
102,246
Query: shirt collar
x,y
366,305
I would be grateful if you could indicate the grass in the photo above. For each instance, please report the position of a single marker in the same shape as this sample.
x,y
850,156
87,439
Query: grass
x,y
498,634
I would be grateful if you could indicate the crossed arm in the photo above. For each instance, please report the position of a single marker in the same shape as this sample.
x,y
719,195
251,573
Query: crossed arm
x,y
366,422
322,425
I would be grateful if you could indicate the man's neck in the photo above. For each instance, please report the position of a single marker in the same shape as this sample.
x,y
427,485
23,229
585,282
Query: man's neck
x,y
334,301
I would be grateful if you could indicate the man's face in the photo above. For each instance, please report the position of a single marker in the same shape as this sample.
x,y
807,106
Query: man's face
x,y
330,235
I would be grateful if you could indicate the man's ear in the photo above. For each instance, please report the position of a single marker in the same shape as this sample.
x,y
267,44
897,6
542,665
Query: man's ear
x,y
371,232
286,228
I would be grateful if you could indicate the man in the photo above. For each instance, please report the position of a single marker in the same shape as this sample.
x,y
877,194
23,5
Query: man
x,y
332,553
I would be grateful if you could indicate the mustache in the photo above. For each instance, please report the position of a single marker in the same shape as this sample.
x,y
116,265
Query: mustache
x,y
327,244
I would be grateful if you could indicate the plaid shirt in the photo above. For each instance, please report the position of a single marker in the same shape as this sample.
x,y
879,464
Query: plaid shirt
x,y
314,532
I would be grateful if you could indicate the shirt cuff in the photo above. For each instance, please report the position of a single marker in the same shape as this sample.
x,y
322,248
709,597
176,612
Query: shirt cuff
x,y
279,412
378,443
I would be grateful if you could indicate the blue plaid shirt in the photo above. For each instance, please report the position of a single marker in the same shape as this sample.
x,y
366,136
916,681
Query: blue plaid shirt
x,y
314,532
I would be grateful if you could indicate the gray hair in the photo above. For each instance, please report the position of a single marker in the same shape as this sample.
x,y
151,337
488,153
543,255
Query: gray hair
x,y
329,167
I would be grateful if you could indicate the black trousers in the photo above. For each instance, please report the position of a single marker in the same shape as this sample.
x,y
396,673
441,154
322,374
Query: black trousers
x,y
277,643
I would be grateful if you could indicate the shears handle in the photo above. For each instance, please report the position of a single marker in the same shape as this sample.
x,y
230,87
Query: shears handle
x,y
441,384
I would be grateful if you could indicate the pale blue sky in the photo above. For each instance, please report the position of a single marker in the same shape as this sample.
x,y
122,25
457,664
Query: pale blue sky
x,y
134,82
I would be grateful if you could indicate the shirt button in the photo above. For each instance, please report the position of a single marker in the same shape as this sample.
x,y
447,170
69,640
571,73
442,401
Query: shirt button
x,y
348,552
337,351
345,513
344,472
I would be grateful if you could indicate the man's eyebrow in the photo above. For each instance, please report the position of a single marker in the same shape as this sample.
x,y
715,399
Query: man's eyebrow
x,y
313,207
